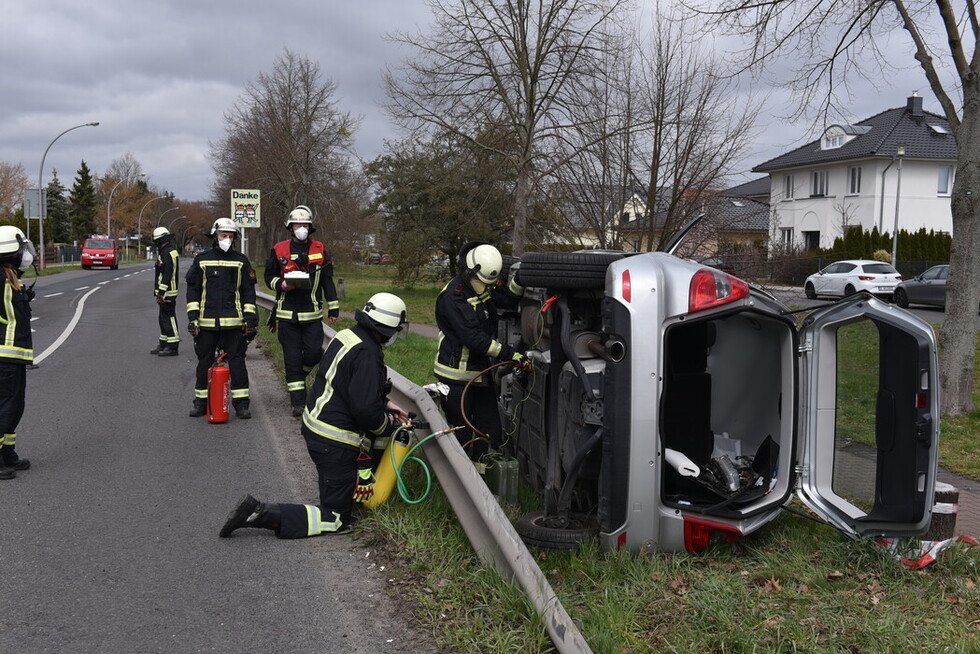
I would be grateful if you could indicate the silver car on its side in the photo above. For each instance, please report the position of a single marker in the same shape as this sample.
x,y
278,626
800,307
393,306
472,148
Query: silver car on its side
x,y
671,406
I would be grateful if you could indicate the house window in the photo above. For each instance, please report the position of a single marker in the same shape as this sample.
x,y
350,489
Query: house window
x,y
945,180
811,241
854,180
636,245
819,186
626,217
788,187
787,234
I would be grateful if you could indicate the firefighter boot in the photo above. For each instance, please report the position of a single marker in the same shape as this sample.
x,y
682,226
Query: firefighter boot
x,y
9,459
241,410
5,472
199,409
168,350
160,346
252,514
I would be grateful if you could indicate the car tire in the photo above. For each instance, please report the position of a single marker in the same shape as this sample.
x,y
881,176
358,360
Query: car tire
x,y
566,270
534,530
810,292
848,290
901,298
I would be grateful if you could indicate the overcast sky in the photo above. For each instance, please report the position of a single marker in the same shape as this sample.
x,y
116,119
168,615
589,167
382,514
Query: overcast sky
x,y
159,76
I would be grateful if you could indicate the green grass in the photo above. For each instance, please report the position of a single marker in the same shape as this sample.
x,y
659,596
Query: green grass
x,y
792,586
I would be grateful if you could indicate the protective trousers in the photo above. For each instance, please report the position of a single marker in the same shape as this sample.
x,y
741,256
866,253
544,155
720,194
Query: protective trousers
x,y
232,342
302,349
481,411
336,469
13,391
168,323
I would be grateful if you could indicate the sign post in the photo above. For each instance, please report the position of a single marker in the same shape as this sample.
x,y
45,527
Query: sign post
x,y
246,211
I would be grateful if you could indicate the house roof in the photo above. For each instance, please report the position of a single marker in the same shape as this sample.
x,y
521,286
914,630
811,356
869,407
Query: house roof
x,y
759,186
926,136
725,213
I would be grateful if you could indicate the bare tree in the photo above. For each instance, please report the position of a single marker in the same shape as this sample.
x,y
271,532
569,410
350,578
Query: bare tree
x,y
494,62
13,181
834,40
287,137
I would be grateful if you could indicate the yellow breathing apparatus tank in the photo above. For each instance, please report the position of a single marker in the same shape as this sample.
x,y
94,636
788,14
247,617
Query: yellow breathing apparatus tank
x,y
385,476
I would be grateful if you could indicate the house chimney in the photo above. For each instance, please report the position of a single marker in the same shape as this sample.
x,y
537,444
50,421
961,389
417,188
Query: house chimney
x,y
914,105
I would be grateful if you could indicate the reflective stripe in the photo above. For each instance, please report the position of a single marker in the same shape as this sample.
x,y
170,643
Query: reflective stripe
x,y
333,304
193,306
201,393
315,524
301,316
454,374
249,308
8,439
477,300
380,443
494,349
296,386
330,432
239,393
514,287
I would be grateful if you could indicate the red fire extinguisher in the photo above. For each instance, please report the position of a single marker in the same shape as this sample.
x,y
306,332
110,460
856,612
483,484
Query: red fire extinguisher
x,y
219,390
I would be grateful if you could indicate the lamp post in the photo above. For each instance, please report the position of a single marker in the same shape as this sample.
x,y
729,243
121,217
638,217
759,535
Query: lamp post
x,y
108,209
139,221
170,227
42,210
899,153
160,217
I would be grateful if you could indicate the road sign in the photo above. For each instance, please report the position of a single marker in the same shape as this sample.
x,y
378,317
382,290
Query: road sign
x,y
32,209
246,208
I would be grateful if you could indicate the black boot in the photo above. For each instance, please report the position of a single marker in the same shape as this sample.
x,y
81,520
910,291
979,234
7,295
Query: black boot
x,y
253,514
241,410
199,409
160,346
6,473
9,459
168,350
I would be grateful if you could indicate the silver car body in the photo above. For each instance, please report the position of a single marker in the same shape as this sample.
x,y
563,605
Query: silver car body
x,y
733,377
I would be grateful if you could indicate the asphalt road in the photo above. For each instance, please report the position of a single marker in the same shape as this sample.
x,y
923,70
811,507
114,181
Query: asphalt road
x,y
794,296
109,542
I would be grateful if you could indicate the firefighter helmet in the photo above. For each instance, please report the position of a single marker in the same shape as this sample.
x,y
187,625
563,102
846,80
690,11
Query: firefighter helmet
x,y
224,225
300,215
161,234
385,313
13,245
483,262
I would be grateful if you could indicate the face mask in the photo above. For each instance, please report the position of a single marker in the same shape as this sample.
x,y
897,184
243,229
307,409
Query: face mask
x,y
301,233
224,244
26,259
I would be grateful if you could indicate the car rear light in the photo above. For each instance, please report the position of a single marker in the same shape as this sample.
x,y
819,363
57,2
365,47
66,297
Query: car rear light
x,y
921,400
621,541
700,533
866,278
713,288
627,286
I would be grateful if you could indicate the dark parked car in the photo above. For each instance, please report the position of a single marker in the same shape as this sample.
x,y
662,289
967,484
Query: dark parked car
x,y
928,288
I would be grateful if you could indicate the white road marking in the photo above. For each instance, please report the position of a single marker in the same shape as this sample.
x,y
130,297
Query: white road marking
x,y
68,330
105,282
52,295
81,288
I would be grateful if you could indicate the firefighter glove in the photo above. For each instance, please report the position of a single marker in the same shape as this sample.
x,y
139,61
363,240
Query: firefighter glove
x,y
521,361
364,489
160,299
250,331
193,329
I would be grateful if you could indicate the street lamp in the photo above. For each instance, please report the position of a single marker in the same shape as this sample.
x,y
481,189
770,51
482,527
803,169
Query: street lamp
x,y
899,153
170,227
108,209
160,217
139,221
43,208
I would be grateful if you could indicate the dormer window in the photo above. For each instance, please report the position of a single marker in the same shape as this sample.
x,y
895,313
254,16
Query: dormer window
x,y
836,136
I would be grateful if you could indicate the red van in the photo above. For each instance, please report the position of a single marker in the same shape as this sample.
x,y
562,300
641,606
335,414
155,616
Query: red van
x,y
100,251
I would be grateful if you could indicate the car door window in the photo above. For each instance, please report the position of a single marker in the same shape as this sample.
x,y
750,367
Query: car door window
x,y
944,273
931,274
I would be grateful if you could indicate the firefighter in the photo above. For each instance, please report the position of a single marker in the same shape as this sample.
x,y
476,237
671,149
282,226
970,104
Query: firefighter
x,y
466,314
165,292
221,314
347,423
300,271
16,346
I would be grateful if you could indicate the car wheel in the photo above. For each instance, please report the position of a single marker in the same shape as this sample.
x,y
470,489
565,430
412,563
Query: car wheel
x,y
901,299
566,270
537,529
848,290
811,293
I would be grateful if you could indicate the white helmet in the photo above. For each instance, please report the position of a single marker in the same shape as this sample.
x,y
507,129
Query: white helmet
x,y
13,243
301,215
484,262
224,225
160,233
386,313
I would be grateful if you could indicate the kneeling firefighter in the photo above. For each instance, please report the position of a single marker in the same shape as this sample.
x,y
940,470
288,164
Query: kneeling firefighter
x,y
466,313
347,424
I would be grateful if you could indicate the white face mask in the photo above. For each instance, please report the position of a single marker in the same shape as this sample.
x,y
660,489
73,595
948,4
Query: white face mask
x,y
26,259
224,244
301,233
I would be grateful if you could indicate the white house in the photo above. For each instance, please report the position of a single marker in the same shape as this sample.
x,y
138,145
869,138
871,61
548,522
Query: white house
x,y
896,166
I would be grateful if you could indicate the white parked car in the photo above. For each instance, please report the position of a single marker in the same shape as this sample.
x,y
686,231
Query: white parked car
x,y
671,406
843,278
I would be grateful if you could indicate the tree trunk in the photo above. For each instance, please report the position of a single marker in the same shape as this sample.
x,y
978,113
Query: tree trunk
x,y
522,196
958,338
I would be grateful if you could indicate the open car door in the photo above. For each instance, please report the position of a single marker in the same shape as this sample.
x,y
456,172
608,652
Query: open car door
x,y
869,422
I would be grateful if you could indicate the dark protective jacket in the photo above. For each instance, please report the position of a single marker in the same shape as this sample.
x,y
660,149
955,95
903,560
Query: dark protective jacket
x,y
221,290
467,323
302,304
16,344
346,404
165,280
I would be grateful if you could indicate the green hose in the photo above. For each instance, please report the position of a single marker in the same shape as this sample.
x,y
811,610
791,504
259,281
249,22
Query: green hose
x,y
399,482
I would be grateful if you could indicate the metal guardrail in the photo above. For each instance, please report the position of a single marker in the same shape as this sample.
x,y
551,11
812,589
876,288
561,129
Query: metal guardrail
x,y
486,525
